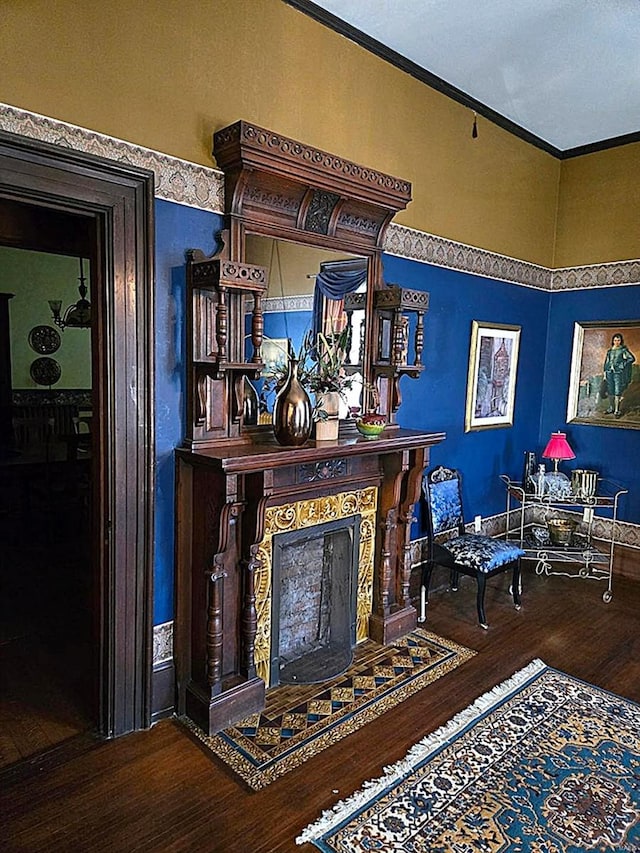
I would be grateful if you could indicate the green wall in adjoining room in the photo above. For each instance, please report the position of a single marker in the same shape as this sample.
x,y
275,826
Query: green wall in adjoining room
x,y
34,278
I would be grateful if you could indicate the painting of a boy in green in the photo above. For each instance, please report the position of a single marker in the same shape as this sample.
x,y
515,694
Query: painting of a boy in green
x,y
605,374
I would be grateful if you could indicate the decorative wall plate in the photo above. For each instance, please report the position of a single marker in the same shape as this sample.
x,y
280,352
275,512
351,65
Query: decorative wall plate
x,y
45,371
44,339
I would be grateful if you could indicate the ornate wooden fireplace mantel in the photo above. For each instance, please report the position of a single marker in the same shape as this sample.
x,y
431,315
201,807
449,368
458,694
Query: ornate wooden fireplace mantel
x,y
223,494
232,477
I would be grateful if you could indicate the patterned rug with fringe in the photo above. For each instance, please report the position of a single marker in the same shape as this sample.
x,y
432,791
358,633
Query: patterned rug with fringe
x,y
543,763
301,720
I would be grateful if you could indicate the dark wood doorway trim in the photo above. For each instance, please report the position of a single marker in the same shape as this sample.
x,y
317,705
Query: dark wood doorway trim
x,y
120,199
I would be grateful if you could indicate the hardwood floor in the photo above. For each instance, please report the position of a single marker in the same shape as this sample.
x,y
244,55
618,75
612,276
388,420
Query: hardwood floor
x,y
158,791
46,667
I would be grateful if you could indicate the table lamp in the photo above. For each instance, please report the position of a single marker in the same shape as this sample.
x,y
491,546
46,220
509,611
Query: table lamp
x,y
557,484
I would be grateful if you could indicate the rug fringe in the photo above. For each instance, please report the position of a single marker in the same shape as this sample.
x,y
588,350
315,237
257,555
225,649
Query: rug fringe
x,y
394,773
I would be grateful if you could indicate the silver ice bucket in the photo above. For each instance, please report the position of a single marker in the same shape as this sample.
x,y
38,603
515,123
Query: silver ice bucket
x,y
584,483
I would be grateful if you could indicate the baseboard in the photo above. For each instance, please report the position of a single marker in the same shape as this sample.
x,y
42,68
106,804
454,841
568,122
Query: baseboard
x,y
163,690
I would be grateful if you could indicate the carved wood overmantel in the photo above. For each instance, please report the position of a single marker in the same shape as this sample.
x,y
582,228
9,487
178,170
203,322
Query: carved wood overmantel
x,y
278,185
231,478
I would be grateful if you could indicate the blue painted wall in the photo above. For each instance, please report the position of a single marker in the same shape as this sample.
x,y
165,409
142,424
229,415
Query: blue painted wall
x,y
437,400
434,402
178,228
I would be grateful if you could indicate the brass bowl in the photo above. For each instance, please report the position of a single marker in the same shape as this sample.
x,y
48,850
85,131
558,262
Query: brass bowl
x,y
561,530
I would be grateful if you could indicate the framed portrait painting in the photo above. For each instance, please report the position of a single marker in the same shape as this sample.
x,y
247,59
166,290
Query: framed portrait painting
x,y
491,381
604,385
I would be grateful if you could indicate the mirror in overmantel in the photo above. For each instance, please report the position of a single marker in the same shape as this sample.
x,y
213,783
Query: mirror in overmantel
x,y
315,308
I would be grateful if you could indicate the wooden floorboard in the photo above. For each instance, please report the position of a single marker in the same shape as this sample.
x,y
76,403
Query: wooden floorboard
x,y
159,791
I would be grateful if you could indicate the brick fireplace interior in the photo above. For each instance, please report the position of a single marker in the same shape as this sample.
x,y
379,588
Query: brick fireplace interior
x,y
313,622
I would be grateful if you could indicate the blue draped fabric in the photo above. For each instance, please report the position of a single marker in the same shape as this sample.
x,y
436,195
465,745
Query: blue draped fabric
x,y
334,284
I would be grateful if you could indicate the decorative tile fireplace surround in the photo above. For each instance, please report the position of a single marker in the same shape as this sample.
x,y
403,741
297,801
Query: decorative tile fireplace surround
x,y
310,515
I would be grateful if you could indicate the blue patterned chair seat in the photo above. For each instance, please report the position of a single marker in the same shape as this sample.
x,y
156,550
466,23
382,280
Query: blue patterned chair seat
x,y
482,553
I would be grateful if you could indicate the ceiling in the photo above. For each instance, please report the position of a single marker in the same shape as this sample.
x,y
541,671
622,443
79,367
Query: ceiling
x,y
563,74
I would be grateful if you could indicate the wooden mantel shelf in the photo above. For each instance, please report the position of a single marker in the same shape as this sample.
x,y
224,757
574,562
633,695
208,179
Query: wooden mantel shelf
x,y
240,458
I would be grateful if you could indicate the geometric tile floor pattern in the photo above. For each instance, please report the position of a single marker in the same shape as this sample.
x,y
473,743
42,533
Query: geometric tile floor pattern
x,y
301,720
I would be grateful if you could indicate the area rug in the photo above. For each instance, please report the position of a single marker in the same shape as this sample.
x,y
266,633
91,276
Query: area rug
x,y
544,763
301,720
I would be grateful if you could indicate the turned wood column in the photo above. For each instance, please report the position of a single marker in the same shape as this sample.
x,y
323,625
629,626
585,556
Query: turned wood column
x,y
411,486
215,632
393,615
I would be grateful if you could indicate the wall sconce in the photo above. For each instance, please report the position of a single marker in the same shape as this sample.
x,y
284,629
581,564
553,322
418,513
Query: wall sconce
x,y
77,315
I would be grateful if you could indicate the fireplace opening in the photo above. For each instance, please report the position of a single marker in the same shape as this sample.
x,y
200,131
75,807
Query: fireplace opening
x,y
315,576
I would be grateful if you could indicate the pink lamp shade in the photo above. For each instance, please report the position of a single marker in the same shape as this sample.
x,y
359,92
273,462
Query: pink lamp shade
x,y
558,448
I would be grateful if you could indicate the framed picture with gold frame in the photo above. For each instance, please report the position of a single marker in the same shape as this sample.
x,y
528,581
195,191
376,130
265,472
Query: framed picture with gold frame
x,y
604,384
491,380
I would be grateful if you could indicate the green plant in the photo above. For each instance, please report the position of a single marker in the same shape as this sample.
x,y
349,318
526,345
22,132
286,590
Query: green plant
x,y
324,368
321,368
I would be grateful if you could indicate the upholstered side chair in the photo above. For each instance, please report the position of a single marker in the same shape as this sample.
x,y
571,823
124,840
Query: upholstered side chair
x,y
471,554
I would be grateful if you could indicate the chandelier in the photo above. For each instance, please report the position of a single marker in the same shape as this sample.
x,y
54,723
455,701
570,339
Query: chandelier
x,y
77,315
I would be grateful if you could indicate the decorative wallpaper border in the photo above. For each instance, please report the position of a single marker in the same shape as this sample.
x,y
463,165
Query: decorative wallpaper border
x,y
175,180
203,187
427,248
276,304
597,275
162,643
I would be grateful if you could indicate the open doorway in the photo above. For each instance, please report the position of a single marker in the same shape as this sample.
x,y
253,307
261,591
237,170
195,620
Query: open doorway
x,y
49,621
81,564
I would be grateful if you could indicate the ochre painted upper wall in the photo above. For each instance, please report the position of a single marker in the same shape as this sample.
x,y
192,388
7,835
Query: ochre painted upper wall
x,y
599,208
167,74
168,80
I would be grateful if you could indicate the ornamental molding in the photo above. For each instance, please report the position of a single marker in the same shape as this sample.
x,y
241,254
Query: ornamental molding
x,y
202,187
258,138
175,180
162,643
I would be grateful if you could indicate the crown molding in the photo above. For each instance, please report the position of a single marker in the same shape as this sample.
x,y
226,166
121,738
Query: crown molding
x,y
193,185
385,53
382,51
